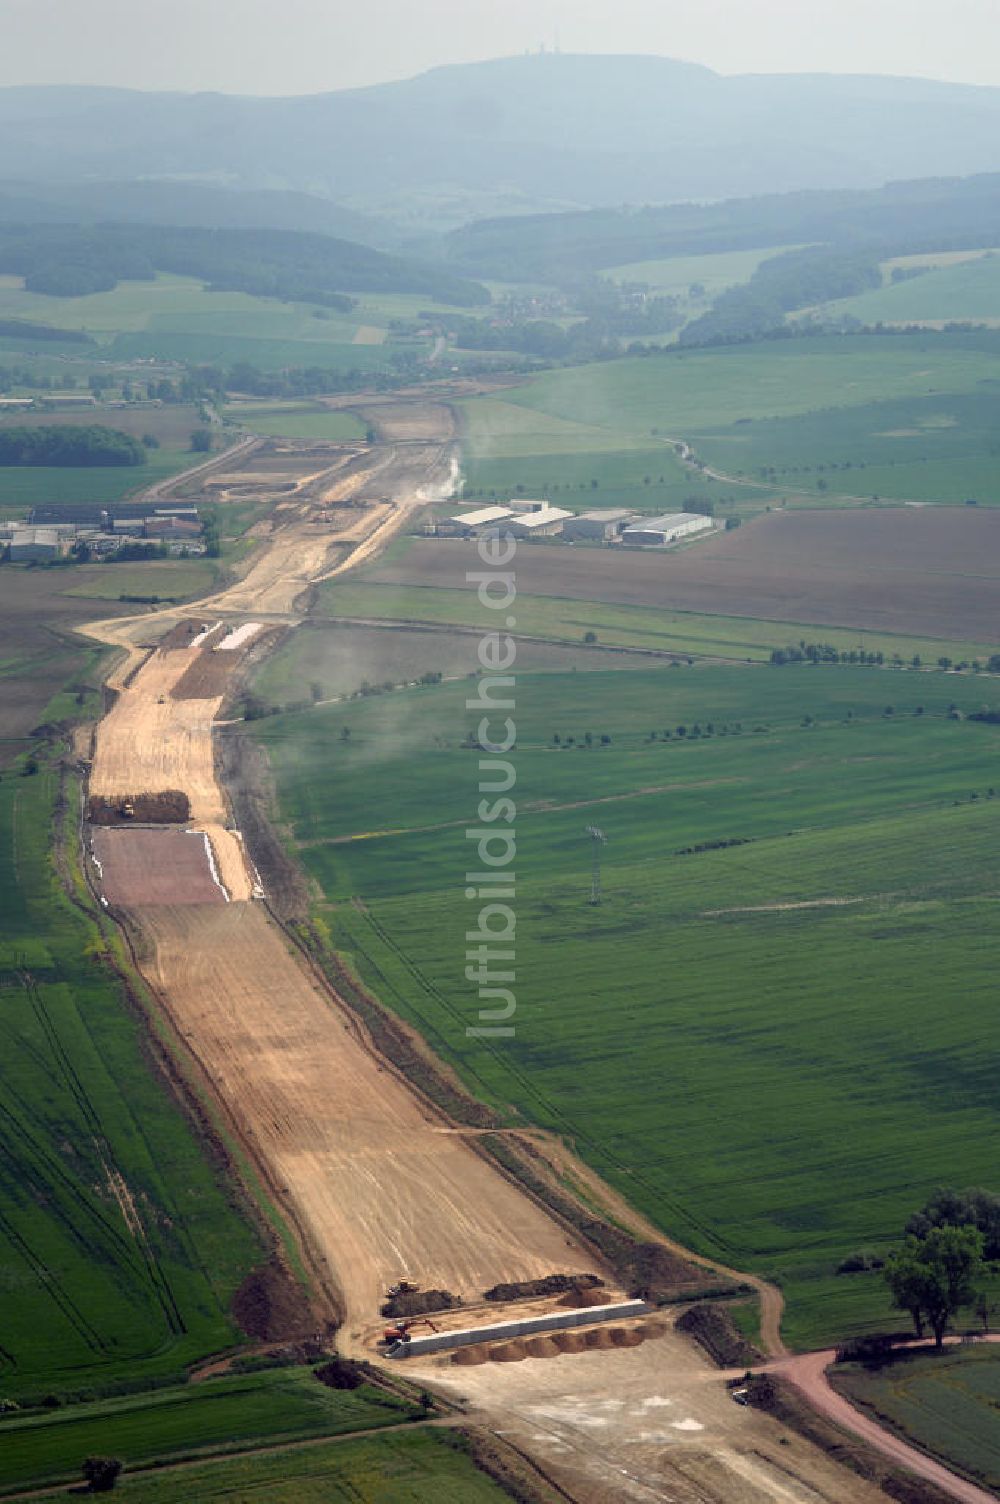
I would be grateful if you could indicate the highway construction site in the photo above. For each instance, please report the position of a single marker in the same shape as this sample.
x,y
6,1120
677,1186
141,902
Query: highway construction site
x,y
401,1219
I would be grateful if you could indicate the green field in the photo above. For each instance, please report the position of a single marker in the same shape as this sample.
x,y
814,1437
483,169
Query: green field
x,y
675,275
177,318
420,1466
944,1402
296,420
89,1130
644,479
908,417
175,305
220,1414
687,391
777,1085
566,620
23,486
170,579
965,291
938,447
508,428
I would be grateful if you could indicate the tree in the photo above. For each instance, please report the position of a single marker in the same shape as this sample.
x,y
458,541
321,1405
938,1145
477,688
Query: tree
x,y
590,637
101,1473
972,1207
201,441
934,1276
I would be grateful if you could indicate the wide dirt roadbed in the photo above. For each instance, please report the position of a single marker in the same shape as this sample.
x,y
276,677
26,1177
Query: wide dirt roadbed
x,y
643,1424
150,742
377,1186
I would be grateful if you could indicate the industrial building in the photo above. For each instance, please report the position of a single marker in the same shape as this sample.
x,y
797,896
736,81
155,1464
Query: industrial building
x,y
471,524
545,522
602,525
657,531
34,544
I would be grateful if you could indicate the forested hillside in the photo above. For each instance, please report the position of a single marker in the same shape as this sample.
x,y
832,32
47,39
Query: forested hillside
x,y
72,260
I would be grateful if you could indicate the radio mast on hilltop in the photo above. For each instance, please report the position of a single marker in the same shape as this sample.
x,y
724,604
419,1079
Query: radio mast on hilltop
x,y
597,840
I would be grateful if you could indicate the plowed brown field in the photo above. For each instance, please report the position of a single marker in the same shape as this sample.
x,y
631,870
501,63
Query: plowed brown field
x,y
925,571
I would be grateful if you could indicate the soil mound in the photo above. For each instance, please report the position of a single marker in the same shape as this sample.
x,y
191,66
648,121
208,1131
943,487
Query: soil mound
x,y
713,1328
269,1305
551,1284
627,1336
508,1352
577,1299
468,1357
541,1347
599,1338
570,1342
419,1302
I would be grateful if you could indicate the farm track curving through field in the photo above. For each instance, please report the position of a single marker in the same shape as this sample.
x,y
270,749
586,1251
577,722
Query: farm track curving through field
x,y
808,1372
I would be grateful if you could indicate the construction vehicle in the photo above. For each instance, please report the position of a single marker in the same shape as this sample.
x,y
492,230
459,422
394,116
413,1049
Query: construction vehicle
x,y
401,1331
402,1287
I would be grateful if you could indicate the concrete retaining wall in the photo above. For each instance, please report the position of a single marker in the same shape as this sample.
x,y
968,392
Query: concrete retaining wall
x,y
529,1325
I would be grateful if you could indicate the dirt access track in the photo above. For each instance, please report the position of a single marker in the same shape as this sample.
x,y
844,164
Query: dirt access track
x,y
373,1183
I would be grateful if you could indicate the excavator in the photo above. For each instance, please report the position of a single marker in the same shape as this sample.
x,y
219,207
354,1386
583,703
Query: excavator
x,y
401,1331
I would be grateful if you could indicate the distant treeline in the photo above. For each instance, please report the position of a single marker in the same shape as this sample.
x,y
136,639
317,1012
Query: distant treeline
x,y
68,444
73,260
926,214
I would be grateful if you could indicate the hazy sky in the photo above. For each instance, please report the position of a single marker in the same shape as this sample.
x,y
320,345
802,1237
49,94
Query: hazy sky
x,y
304,46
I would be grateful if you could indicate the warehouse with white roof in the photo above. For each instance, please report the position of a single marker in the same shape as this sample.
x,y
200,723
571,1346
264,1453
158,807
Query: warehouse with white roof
x,y
672,526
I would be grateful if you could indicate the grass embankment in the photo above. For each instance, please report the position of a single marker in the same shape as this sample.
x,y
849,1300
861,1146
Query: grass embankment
x,y
779,1083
